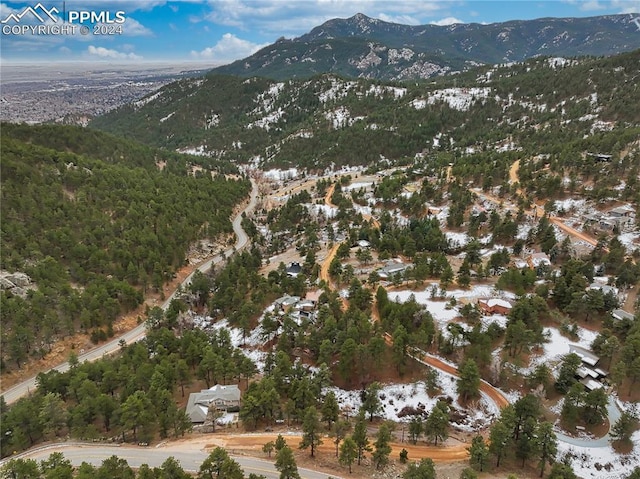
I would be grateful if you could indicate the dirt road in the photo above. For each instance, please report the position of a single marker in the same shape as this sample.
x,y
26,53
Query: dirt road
x,y
324,268
513,174
513,178
452,451
496,396
574,232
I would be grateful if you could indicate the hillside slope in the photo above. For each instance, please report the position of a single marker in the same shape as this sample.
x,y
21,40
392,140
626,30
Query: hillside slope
x,y
327,120
94,222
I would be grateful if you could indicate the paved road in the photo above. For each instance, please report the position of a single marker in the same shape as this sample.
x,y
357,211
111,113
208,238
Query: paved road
x,y
613,411
23,388
190,460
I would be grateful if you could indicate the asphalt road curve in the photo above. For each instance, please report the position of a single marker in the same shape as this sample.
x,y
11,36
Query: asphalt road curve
x,y
190,460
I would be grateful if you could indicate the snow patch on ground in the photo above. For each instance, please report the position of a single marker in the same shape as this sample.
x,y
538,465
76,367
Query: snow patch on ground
x,y
631,241
419,104
523,231
499,319
379,91
458,98
457,240
586,460
268,120
165,118
357,186
570,204
441,313
363,210
556,347
341,117
281,175
395,397
195,150
337,90
327,211
143,101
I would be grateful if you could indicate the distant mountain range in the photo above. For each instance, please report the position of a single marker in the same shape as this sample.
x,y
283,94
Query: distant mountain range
x,y
365,47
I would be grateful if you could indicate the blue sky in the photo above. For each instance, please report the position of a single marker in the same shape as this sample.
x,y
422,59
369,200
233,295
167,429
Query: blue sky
x,y
215,32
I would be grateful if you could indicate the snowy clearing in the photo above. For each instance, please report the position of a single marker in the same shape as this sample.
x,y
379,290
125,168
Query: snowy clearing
x,y
602,462
396,397
458,98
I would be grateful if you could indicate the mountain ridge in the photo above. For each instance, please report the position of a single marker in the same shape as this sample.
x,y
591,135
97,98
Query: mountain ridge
x,y
365,47
318,122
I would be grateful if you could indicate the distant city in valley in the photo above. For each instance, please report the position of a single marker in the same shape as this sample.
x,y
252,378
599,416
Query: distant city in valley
x,y
73,93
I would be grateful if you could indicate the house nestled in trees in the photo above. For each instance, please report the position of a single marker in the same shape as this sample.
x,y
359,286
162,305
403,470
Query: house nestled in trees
x,y
588,374
297,307
538,259
224,398
391,269
294,269
620,315
494,306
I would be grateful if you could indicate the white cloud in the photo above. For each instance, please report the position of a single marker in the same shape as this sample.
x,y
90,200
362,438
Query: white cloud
x,y
401,19
134,28
126,6
294,18
446,21
591,5
228,49
626,6
110,54
6,10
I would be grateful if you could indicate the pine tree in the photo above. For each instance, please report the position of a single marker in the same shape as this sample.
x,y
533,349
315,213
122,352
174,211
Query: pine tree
x,y
330,409
339,432
268,448
547,445
527,443
437,425
425,469
286,464
415,429
499,438
348,452
311,437
624,427
372,404
468,385
562,471
382,446
478,453
53,413
360,435
280,442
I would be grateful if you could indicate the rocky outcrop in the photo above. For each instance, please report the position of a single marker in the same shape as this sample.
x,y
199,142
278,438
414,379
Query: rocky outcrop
x,y
17,283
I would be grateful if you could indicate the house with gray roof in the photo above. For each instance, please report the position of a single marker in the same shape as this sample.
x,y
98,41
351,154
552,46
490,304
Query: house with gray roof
x,y
620,314
391,269
222,397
